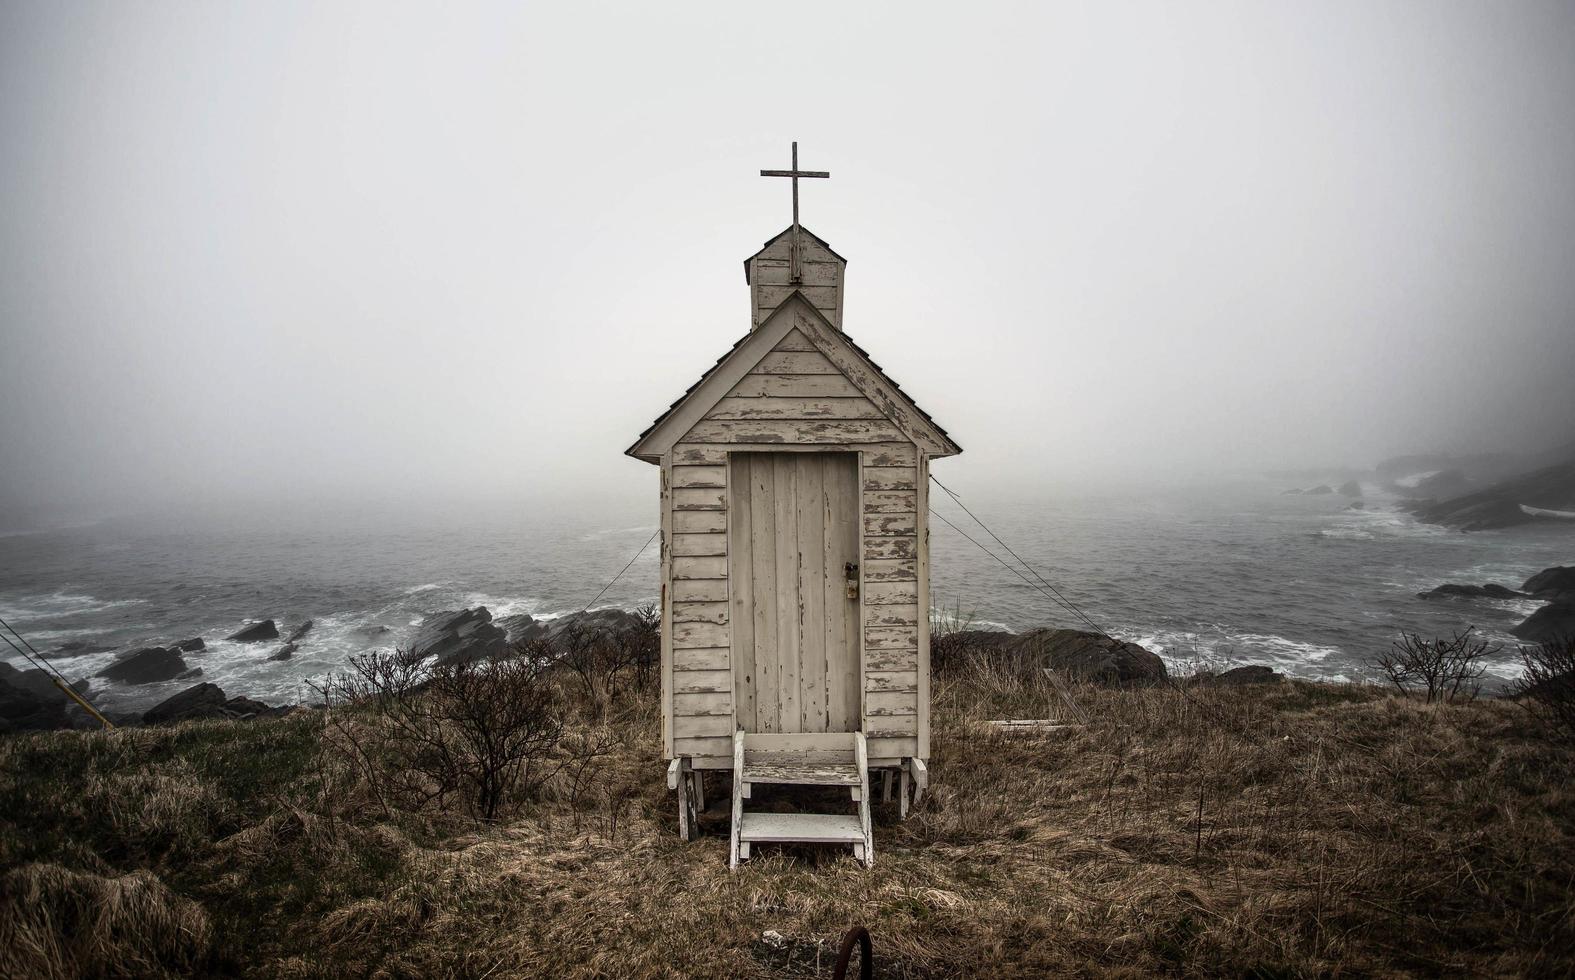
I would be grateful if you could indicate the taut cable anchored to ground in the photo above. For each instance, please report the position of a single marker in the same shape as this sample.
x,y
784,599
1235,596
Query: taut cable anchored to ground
x,y
42,663
1051,592
625,568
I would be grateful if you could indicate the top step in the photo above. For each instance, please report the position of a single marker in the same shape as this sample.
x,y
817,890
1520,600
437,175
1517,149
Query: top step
x,y
787,771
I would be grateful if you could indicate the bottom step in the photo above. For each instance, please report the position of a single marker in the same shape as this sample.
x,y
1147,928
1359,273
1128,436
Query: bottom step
x,y
808,828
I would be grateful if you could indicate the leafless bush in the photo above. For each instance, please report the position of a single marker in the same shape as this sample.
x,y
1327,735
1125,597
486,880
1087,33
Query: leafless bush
x,y
485,731
1547,686
1447,670
600,659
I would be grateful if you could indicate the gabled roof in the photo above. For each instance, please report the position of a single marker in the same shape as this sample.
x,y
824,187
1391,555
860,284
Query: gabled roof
x,y
795,311
782,234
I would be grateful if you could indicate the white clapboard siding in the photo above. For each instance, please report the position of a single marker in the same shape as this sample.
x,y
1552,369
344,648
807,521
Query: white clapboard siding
x,y
888,477
718,682
696,498
890,501
710,704
699,545
793,408
888,680
822,432
881,702
700,590
699,521
906,659
889,593
701,658
708,567
891,615
700,612
795,362
812,272
890,569
895,547
882,524
795,386
699,476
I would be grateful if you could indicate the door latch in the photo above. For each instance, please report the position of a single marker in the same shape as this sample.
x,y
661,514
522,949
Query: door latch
x,y
850,571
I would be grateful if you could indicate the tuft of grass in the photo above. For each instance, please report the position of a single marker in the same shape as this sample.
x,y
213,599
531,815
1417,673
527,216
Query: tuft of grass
x,y
1326,829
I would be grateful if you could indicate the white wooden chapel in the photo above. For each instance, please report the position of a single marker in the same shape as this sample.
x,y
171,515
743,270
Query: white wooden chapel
x,y
795,559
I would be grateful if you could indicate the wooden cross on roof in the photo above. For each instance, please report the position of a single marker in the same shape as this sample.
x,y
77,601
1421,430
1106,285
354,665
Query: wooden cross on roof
x,y
795,274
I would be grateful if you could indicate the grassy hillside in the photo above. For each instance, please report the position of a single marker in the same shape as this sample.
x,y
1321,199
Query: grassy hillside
x,y
1278,831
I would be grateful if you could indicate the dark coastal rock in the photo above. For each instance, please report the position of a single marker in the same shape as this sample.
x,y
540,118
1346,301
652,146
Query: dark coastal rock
x,y
1450,590
1554,621
1501,505
189,674
146,666
192,645
451,637
201,701
299,632
78,648
205,701
375,632
285,652
524,629
256,632
1092,657
1319,490
1242,676
30,701
1552,582
1350,488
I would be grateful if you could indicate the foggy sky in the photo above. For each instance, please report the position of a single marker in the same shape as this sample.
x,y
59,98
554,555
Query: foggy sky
x,y
290,252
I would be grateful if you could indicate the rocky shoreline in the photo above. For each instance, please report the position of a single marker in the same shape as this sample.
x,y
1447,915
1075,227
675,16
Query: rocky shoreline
x,y
30,700
1555,587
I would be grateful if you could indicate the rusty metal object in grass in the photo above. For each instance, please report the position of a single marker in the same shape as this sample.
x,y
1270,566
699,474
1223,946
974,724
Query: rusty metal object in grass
x,y
859,936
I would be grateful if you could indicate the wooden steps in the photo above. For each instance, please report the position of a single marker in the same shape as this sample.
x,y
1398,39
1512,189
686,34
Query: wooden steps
x,y
821,759
808,828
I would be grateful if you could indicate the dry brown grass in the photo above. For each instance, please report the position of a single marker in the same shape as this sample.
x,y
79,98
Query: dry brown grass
x,y
1295,830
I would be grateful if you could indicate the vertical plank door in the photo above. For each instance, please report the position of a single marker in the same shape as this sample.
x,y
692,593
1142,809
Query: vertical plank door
x,y
793,527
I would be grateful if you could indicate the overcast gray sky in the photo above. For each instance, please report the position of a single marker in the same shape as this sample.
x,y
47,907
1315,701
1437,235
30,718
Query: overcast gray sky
x,y
290,251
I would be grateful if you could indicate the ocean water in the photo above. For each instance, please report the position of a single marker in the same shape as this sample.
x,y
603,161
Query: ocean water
x,y
1211,575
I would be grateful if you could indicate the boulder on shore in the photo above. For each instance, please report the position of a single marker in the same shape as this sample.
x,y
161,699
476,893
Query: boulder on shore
x,y
454,637
1093,657
1552,582
1450,590
256,632
146,666
523,628
1350,488
204,701
30,701
192,645
285,652
1243,675
299,632
1319,490
1554,621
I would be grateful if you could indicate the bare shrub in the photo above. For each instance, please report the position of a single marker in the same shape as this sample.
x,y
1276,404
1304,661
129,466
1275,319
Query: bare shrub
x,y
483,730
600,659
55,922
1547,686
1444,670
949,621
